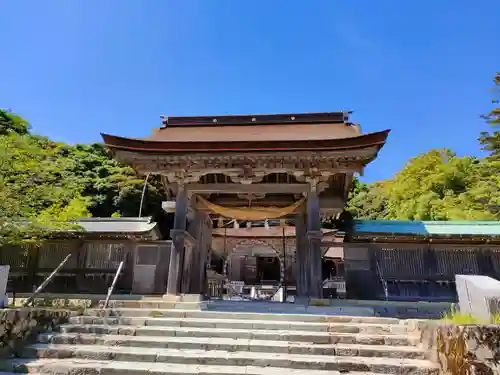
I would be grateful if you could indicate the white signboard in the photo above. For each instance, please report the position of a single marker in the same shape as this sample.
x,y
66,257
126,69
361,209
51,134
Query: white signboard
x,y
4,277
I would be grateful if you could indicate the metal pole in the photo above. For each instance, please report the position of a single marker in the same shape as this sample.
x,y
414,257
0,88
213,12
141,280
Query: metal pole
x,y
46,281
143,193
384,282
110,289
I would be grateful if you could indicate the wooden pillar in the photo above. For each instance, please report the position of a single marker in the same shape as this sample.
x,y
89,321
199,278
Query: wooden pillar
x,y
313,254
300,255
195,262
208,254
190,259
173,285
205,245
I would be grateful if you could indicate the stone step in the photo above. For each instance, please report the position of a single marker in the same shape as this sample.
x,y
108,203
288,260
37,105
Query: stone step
x,y
247,324
91,367
276,335
206,314
295,308
233,345
155,304
224,358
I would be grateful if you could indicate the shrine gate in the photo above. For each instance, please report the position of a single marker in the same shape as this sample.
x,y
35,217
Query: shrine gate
x,y
297,167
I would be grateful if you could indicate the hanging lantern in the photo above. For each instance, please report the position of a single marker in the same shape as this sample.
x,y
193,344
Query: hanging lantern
x,y
249,224
220,222
282,223
236,224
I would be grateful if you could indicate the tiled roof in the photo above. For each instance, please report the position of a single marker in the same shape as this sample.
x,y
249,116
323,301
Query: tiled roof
x,y
286,132
281,132
259,138
428,228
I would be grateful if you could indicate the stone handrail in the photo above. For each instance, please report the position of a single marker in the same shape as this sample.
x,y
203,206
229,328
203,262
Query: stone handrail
x,y
112,287
46,281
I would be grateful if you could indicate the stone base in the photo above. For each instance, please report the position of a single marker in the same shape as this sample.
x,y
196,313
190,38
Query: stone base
x,y
183,298
267,307
307,301
304,301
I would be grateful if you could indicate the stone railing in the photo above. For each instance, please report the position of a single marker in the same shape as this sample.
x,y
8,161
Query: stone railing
x,y
20,326
471,349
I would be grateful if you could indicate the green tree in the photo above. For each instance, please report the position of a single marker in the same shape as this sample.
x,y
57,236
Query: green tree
x,y
44,184
36,198
111,187
437,185
10,122
490,140
367,201
430,186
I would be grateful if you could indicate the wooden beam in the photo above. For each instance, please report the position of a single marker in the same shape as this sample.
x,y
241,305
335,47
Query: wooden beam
x,y
168,192
267,188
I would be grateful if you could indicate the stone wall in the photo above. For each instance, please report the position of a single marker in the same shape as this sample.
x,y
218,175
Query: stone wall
x,y
20,326
400,309
459,349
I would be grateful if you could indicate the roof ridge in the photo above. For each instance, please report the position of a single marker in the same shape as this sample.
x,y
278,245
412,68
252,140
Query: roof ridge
x,y
146,219
255,119
430,222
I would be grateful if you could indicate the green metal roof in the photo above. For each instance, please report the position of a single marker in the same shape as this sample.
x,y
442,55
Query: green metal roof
x,y
428,228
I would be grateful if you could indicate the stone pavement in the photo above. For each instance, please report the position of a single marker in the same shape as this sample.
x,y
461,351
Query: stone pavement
x,y
166,338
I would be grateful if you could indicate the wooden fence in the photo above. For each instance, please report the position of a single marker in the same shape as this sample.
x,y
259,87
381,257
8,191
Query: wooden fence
x,y
89,270
415,271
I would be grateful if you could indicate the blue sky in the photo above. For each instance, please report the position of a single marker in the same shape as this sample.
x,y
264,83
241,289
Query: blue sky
x,y
75,68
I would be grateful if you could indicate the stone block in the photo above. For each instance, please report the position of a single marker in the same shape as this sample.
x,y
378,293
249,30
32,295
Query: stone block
x,y
475,293
182,298
21,326
319,302
462,349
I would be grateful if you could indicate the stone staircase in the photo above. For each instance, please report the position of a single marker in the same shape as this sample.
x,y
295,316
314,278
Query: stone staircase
x,y
181,337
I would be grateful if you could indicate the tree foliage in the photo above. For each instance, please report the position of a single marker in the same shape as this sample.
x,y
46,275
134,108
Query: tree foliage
x,y
439,185
490,140
44,184
114,189
11,123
